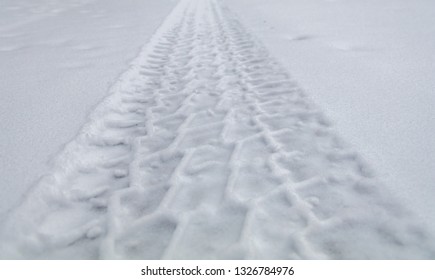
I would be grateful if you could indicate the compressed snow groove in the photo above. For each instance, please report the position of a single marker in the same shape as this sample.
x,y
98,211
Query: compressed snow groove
x,y
206,149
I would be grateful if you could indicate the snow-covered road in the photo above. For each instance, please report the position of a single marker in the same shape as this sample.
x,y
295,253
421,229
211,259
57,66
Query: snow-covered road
x,y
207,149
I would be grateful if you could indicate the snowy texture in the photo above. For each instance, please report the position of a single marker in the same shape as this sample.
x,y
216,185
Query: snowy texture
x,y
58,58
370,65
207,149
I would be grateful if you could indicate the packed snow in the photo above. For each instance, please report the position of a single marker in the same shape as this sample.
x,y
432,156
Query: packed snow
x,y
206,147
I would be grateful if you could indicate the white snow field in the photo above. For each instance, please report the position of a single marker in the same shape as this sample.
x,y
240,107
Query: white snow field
x,y
207,149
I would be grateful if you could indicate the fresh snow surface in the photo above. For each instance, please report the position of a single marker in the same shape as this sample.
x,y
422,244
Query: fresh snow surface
x,y
58,58
206,148
370,65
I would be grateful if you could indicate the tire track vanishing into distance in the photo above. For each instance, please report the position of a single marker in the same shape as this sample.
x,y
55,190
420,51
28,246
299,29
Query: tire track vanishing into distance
x,y
206,149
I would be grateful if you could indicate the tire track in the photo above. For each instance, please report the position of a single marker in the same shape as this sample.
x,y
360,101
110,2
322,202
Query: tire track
x,y
207,149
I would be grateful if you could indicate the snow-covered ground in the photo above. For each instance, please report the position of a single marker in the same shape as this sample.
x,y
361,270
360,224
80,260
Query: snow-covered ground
x,y
370,65
205,147
58,59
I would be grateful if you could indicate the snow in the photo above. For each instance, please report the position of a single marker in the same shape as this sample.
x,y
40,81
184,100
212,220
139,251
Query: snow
x,y
57,61
369,65
204,148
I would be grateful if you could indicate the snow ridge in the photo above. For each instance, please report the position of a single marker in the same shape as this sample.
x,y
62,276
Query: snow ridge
x,y
206,149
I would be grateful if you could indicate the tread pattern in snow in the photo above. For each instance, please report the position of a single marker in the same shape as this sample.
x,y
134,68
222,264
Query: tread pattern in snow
x,y
207,149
